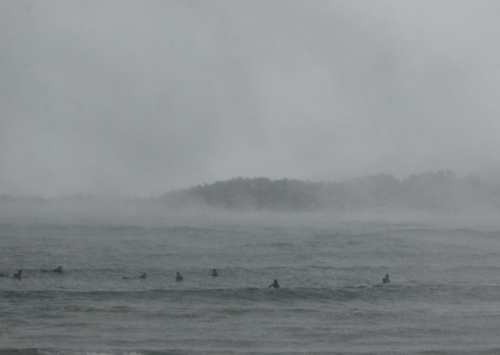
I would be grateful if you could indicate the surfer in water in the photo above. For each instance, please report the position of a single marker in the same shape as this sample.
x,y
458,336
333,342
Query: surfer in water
x,y
179,277
386,280
214,273
19,274
275,284
59,270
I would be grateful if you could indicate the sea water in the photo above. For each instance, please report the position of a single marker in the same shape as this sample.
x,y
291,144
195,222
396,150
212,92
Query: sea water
x,y
444,295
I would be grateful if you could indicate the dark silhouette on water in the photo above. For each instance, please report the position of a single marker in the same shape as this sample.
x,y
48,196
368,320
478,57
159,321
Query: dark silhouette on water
x,y
179,277
386,280
275,284
58,269
19,274
143,276
214,273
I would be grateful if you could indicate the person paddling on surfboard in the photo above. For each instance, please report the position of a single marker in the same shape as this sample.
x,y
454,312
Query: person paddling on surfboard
x,y
59,270
275,284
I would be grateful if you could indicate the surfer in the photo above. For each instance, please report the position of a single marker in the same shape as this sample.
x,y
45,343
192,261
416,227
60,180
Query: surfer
x,y
386,280
19,274
214,273
275,284
179,277
59,270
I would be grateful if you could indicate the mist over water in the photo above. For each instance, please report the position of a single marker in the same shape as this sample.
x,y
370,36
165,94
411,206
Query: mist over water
x,y
150,214
437,198
321,144
442,264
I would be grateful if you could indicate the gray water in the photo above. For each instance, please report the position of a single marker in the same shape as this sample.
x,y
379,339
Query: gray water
x,y
444,295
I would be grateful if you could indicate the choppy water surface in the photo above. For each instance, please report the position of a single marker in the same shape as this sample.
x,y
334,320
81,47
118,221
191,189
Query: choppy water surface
x,y
444,296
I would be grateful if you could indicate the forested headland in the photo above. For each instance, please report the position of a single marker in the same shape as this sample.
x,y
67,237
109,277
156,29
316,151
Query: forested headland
x,y
433,191
440,191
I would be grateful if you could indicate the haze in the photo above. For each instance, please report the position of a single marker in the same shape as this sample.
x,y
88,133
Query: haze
x,y
136,98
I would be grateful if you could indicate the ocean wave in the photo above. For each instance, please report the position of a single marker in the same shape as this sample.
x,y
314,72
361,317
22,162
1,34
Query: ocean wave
x,y
349,293
31,351
35,351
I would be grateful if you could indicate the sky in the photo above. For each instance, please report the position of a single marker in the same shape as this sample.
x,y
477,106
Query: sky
x,y
137,98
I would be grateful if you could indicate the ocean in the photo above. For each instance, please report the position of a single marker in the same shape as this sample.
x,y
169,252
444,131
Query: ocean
x,y
443,298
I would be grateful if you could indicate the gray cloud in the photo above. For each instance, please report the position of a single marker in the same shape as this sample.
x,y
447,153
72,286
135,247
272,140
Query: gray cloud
x,y
139,98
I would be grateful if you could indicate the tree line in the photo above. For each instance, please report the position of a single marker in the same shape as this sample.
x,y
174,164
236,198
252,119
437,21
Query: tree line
x,y
435,191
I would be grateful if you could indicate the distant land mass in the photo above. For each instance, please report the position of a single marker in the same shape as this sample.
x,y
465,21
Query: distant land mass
x,y
433,191
440,191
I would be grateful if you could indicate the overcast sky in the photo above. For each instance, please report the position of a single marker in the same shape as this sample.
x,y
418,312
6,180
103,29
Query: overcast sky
x,y
138,98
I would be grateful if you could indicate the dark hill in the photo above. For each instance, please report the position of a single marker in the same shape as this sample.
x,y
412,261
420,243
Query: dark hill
x,y
435,191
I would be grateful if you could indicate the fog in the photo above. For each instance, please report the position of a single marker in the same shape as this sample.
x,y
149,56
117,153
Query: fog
x,y
120,213
134,99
